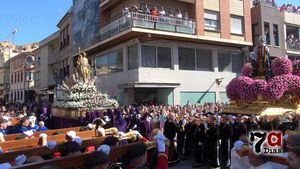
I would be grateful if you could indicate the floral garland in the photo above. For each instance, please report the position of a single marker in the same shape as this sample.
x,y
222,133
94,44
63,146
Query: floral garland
x,y
83,95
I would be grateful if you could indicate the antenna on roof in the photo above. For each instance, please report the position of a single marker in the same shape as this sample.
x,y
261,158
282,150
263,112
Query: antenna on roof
x,y
13,34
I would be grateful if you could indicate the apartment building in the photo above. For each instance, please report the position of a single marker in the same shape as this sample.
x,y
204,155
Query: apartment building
x,y
280,27
189,52
22,78
291,28
7,51
65,45
46,64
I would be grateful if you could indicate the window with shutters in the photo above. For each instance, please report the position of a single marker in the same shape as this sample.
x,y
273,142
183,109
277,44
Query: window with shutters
x,y
237,25
211,20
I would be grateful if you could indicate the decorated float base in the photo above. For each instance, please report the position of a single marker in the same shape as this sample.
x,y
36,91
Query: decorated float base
x,y
73,114
260,108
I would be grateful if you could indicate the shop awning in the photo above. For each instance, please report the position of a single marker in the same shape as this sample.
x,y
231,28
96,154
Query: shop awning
x,y
148,85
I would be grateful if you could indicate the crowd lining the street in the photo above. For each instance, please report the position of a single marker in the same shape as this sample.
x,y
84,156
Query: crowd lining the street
x,y
199,130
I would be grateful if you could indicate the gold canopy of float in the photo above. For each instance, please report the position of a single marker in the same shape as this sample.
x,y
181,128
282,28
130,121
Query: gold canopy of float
x,y
259,110
261,107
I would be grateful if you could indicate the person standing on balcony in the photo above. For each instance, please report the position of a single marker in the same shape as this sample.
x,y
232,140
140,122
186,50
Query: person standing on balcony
x,y
179,14
162,12
171,14
147,10
186,16
125,10
154,11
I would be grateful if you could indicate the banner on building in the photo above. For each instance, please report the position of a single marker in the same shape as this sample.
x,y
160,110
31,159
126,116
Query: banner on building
x,y
85,23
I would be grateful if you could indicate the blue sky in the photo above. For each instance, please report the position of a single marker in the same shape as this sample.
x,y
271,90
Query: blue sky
x,y
33,19
294,2
36,19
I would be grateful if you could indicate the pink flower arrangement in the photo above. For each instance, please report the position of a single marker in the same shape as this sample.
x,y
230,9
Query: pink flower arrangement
x,y
247,70
296,68
279,85
281,65
246,89
275,88
231,91
259,85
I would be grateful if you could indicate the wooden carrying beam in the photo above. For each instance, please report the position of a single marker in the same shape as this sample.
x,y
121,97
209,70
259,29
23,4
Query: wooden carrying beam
x,y
77,161
34,142
11,137
42,150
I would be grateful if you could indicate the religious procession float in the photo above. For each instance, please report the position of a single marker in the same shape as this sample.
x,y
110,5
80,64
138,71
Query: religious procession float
x,y
78,94
266,87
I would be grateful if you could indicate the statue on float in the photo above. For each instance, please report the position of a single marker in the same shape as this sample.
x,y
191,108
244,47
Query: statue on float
x,y
265,86
261,62
78,92
84,68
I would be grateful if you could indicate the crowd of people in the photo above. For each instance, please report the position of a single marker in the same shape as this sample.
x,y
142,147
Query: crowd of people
x,y
292,41
284,7
27,121
197,129
203,131
156,12
158,15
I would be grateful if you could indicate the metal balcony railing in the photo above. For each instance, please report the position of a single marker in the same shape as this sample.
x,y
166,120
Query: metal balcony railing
x,y
146,21
268,3
293,45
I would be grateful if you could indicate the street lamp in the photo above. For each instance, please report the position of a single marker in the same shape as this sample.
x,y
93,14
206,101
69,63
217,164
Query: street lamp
x,y
219,80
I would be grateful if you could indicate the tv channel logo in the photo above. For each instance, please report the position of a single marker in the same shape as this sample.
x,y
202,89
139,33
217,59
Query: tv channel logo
x,y
266,142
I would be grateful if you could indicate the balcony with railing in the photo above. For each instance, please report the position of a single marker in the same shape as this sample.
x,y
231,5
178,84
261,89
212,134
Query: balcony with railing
x,y
293,45
147,21
268,3
293,40
110,2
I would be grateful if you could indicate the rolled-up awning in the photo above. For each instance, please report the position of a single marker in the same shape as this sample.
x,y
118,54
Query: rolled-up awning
x,y
148,85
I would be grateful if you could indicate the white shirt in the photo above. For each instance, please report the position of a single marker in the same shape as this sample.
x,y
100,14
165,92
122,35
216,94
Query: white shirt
x,y
162,12
179,15
266,165
238,162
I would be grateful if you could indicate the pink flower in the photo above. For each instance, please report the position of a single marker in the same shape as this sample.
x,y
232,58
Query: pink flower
x,y
296,68
244,88
281,65
279,85
247,70
231,91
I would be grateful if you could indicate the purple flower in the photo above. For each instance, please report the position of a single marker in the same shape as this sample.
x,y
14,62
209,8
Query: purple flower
x,y
231,89
296,67
247,70
281,65
279,85
244,88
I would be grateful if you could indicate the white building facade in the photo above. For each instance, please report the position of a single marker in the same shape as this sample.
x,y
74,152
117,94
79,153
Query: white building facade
x,y
167,72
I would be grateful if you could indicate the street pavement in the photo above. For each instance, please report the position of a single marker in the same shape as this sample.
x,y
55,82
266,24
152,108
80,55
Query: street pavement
x,y
187,164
